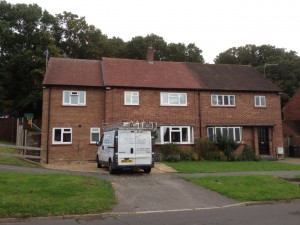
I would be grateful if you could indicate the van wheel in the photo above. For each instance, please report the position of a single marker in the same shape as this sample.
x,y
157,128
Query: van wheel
x,y
147,170
110,169
99,165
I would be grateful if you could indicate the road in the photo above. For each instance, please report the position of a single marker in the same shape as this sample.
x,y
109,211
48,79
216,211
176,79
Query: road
x,y
262,214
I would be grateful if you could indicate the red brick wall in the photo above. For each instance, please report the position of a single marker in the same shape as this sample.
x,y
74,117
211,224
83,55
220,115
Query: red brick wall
x,y
245,114
149,108
291,111
79,118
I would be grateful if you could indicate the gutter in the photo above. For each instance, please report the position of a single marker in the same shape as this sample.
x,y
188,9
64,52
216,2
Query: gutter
x,y
48,125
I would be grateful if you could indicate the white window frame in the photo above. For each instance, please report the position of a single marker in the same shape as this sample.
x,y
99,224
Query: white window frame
x,y
220,100
131,95
166,99
261,101
175,129
65,130
67,101
94,130
212,133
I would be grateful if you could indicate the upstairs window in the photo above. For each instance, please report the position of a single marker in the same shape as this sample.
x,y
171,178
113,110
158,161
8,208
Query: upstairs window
x,y
222,100
260,101
62,136
74,98
131,98
173,99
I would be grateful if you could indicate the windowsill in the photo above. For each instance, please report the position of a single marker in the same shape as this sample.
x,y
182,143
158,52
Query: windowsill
x,y
223,106
61,143
74,105
260,107
174,105
178,143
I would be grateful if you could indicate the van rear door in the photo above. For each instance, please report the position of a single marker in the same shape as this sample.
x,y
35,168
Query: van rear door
x,y
134,148
143,153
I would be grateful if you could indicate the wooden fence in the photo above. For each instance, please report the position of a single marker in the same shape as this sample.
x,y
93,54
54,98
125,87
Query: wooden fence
x,y
8,127
27,152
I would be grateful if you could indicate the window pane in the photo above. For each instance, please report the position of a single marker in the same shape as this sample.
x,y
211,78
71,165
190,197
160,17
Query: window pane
x,y
237,134
74,99
210,132
57,135
263,101
67,137
166,133
66,97
175,135
81,96
95,137
183,99
231,133
173,100
224,132
164,98
226,101
135,99
232,100
184,134
220,100
157,134
214,100
127,97
256,100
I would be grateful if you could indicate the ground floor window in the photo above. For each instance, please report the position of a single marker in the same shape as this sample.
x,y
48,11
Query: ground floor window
x,y
95,135
62,136
175,134
235,133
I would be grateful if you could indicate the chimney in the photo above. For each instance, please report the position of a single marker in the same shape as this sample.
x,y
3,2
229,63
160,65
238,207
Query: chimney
x,y
150,55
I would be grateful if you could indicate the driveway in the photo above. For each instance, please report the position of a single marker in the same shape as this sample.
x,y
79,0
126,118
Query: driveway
x,y
162,192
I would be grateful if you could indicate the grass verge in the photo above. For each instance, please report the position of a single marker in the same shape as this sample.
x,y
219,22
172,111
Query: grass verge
x,y
32,195
214,167
250,188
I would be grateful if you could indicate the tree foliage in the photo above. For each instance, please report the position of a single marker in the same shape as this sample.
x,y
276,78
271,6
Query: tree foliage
x,y
27,31
280,66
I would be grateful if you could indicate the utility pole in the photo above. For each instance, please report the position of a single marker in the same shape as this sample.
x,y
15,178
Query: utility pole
x,y
46,53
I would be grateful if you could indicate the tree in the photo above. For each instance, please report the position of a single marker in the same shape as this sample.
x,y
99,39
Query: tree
x,y
24,37
280,66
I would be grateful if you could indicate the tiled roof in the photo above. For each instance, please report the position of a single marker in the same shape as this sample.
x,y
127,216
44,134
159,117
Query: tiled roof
x,y
157,74
181,75
291,110
140,73
74,72
231,77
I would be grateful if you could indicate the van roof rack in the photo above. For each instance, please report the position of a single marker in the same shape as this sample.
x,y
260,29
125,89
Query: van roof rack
x,y
147,126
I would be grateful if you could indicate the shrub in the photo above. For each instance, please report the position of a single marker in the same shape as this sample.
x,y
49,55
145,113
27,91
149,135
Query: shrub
x,y
188,154
248,154
228,145
173,153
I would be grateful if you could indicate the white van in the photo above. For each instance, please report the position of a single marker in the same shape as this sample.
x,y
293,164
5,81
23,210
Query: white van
x,y
127,145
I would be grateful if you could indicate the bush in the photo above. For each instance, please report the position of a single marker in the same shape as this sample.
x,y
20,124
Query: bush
x,y
248,154
228,145
214,156
173,153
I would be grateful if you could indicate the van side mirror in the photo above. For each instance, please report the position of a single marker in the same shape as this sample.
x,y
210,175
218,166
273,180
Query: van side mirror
x,y
98,143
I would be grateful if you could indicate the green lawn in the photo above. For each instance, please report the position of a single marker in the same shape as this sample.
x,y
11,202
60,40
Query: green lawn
x,y
10,160
31,195
213,167
250,188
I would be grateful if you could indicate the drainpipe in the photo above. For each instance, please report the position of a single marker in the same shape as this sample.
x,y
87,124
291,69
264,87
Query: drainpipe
x,y
48,125
200,119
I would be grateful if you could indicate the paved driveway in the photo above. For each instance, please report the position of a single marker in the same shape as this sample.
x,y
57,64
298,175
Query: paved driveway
x,y
159,192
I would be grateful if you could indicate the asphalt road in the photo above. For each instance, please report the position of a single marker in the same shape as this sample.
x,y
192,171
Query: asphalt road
x,y
267,214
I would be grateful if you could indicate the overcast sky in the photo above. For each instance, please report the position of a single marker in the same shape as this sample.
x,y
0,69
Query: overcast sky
x,y
213,25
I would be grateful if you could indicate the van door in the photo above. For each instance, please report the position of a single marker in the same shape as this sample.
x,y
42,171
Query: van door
x,y
107,147
143,152
126,147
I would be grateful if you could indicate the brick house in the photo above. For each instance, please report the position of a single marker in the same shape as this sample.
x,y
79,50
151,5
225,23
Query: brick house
x,y
188,100
291,121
